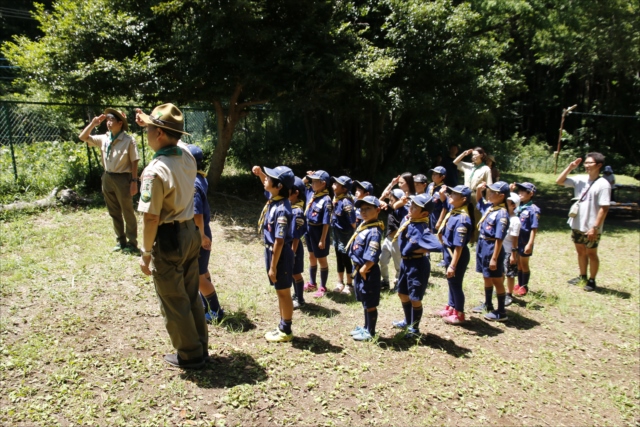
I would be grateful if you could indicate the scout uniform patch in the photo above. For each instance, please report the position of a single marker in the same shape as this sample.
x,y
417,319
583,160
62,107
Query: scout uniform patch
x,y
147,185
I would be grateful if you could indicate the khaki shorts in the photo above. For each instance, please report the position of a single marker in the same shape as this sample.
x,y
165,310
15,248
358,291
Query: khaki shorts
x,y
580,238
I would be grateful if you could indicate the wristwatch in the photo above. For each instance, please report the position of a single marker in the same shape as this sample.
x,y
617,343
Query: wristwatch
x,y
133,180
146,253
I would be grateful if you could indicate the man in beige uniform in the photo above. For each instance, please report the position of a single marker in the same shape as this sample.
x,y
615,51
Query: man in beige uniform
x,y
170,237
120,178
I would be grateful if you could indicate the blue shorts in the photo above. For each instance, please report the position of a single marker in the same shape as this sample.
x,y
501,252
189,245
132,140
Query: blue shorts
x,y
461,267
298,262
484,252
203,261
413,278
314,233
368,291
521,251
340,239
284,267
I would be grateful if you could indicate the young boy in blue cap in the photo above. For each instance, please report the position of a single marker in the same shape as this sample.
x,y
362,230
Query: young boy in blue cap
x,y
202,218
343,224
298,229
364,250
275,226
455,233
492,229
529,216
318,214
415,241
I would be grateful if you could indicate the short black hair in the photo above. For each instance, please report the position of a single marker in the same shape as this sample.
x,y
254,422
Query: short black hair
x,y
284,191
597,157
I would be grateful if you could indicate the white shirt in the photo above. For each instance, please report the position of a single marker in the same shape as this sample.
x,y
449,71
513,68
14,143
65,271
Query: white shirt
x,y
514,231
599,195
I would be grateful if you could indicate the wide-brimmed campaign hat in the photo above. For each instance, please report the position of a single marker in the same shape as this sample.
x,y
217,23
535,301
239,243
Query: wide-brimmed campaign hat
x,y
120,115
166,116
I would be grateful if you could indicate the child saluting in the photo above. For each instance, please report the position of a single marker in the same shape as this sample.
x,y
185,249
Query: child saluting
x,y
275,226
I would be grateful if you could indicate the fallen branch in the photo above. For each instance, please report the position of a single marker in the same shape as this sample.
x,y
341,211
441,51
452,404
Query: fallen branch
x,y
65,197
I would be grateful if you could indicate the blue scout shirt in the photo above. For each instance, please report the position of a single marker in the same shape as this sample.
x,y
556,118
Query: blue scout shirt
x,y
496,223
366,246
344,214
200,203
529,215
458,230
417,236
438,205
277,223
318,210
299,223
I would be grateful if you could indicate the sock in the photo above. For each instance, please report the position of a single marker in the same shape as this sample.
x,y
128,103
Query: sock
x,y
509,294
298,288
520,279
501,298
488,295
525,278
285,326
416,315
313,270
212,299
366,319
324,275
406,307
372,319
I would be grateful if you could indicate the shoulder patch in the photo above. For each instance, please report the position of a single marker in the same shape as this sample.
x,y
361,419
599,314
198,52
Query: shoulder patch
x,y
147,186
461,230
300,221
347,207
283,220
504,220
374,246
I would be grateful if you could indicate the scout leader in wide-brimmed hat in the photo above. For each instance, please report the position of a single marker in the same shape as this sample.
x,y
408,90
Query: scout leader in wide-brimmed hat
x,y
166,116
122,117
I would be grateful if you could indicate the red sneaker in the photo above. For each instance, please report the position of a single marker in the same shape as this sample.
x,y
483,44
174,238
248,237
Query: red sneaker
x,y
309,287
456,318
521,291
446,311
516,288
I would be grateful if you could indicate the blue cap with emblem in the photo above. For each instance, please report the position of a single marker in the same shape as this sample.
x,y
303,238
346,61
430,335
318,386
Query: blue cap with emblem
x,y
527,186
462,190
368,200
283,174
197,153
343,180
298,185
397,193
439,169
424,201
365,185
321,175
500,187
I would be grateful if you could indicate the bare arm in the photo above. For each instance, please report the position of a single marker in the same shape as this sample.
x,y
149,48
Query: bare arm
x,y
451,270
150,224
592,234
199,220
84,135
323,238
257,171
565,173
461,156
493,264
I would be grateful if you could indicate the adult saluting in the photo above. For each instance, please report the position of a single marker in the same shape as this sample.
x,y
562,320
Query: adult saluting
x,y
170,238
475,173
120,178
593,194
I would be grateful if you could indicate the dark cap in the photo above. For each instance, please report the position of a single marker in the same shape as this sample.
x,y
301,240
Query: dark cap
x,y
424,201
298,185
321,175
343,180
369,200
283,174
420,178
501,187
197,153
397,193
527,186
462,190
608,169
365,185
439,169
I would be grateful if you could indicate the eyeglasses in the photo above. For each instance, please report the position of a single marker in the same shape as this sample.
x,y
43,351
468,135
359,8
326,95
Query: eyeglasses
x,y
589,163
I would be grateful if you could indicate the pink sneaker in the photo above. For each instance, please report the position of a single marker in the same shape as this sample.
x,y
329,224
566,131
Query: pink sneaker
x,y
446,311
308,287
521,291
320,292
516,288
456,318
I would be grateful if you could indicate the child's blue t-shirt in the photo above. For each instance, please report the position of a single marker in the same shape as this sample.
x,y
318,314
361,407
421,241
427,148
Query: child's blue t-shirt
x,y
200,203
529,215
366,246
318,210
344,215
417,236
496,224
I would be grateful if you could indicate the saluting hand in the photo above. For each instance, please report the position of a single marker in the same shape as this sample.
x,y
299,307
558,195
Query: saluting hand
x,y
98,119
256,170
138,119
573,165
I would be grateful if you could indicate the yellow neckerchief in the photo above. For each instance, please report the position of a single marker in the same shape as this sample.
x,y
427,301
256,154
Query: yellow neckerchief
x,y
203,173
298,204
451,213
434,187
405,224
339,197
316,196
266,209
362,227
488,211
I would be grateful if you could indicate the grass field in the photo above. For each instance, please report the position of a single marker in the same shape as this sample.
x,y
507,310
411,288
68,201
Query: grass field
x,y
82,339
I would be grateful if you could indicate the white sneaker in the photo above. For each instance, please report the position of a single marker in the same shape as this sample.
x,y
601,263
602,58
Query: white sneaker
x,y
348,290
339,287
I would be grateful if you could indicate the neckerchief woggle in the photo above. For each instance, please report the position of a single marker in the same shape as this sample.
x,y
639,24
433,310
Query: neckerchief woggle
x,y
265,210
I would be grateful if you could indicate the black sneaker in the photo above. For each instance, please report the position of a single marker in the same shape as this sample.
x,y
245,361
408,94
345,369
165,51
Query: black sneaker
x,y
482,308
575,280
384,285
175,360
130,248
590,286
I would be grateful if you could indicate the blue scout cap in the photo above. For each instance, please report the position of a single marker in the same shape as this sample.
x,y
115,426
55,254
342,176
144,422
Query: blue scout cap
x,y
365,185
527,186
397,193
501,187
197,153
298,184
420,178
608,169
439,169
424,201
369,200
282,173
343,180
462,190
321,175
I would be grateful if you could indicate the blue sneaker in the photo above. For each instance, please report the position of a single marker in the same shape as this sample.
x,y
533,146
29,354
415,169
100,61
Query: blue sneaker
x,y
399,324
214,317
364,335
496,316
357,331
413,333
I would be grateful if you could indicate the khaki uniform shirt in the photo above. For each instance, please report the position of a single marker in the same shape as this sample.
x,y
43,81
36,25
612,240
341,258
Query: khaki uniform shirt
x,y
120,156
482,174
168,186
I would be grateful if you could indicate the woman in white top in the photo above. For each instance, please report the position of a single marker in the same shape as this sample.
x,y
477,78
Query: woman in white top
x,y
475,173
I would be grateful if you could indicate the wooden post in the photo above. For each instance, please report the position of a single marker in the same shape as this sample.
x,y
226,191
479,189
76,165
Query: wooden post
x,y
565,111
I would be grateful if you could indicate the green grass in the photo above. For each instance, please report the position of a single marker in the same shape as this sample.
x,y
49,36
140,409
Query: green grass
x,y
82,339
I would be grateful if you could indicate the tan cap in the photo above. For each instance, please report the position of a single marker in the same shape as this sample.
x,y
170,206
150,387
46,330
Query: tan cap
x,y
120,115
166,116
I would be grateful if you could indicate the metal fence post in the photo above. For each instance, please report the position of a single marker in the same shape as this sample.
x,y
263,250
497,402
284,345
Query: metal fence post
x,y
13,155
